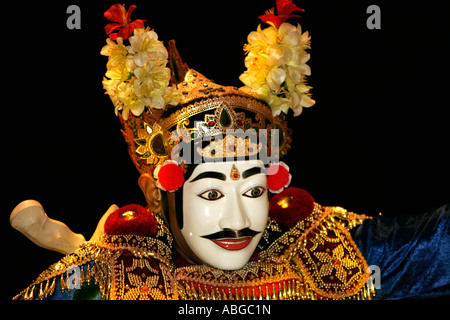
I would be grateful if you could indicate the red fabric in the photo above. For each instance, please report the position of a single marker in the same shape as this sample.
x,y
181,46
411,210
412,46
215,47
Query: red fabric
x,y
171,176
298,205
141,222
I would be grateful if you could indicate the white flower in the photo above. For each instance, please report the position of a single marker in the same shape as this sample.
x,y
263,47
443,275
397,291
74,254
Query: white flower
x,y
172,96
130,102
275,78
145,47
137,75
277,67
151,83
289,34
110,85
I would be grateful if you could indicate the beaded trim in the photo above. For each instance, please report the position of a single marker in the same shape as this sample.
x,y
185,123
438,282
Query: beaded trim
x,y
316,259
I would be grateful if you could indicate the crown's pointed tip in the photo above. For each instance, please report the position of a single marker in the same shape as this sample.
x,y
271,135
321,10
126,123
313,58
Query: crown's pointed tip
x,y
177,67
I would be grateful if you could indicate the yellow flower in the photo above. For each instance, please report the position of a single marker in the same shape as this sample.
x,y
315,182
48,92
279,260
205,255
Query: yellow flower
x,y
278,104
114,50
306,100
289,34
129,101
110,85
151,82
172,96
145,46
137,76
254,79
275,77
276,65
118,64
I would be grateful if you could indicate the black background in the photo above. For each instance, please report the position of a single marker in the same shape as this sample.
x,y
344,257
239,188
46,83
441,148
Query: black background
x,y
376,140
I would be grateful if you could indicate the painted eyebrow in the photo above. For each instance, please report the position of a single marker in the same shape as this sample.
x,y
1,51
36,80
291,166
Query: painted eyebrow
x,y
251,172
210,174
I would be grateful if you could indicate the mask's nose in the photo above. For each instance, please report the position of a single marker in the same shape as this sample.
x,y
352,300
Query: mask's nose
x,y
234,214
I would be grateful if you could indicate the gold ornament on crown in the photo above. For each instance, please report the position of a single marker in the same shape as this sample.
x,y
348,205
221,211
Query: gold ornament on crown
x,y
160,101
202,114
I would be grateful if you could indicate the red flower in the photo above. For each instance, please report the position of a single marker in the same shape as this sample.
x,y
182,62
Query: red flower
x,y
284,12
117,13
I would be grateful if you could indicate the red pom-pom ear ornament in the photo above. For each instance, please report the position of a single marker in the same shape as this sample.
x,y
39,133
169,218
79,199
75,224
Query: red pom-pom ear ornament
x,y
278,177
169,176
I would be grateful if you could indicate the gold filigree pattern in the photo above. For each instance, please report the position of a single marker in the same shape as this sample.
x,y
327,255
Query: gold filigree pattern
x,y
96,272
142,270
262,279
316,259
151,137
322,250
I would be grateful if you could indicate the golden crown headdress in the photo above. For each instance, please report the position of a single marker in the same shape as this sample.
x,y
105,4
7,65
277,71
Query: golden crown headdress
x,y
162,107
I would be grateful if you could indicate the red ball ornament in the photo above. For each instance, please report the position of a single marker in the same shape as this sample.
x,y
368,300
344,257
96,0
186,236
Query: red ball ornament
x,y
291,206
131,219
170,176
278,177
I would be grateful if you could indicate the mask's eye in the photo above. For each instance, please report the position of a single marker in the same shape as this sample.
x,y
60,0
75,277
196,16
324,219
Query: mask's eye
x,y
255,192
211,195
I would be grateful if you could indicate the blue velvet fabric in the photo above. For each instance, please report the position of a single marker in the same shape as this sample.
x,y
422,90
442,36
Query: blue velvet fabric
x,y
412,253
84,292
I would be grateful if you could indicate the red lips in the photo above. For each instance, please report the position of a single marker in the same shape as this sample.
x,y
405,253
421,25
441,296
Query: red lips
x,y
233,243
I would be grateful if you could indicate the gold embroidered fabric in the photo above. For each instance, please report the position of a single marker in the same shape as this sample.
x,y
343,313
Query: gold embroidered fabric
x,y
316,259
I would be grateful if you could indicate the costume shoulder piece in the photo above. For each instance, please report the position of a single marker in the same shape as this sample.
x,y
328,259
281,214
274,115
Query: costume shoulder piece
x,y
319,247
132,260
306,253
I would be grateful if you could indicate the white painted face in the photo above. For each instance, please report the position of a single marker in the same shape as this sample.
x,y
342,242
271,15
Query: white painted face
x,y
225,211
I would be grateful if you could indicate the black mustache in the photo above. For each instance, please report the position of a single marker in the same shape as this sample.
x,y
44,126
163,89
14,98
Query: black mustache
x,y
229,234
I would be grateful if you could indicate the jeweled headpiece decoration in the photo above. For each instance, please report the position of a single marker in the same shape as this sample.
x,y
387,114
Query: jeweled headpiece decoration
x,y
162,103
